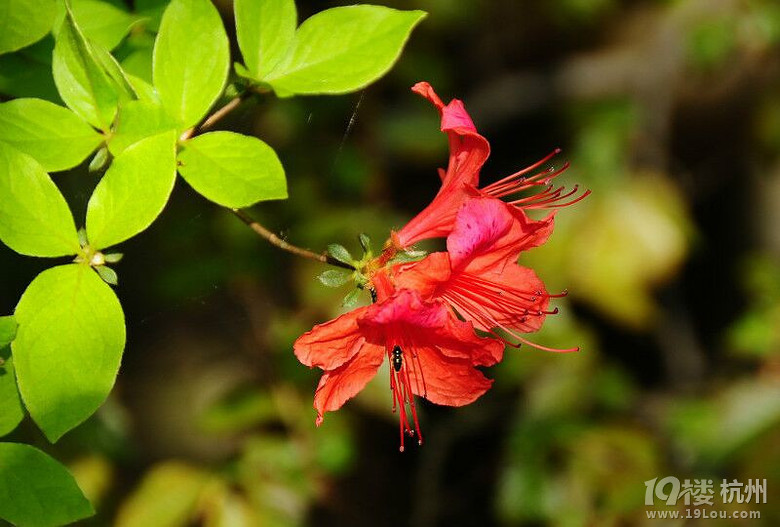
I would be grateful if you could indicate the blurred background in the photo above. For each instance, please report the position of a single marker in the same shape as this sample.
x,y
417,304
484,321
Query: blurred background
x,y
668,110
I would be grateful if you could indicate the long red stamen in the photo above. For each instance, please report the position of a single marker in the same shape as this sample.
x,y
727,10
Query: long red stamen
x,y
560,205
475,297
549,198
412,406
526,169
403,393
542,179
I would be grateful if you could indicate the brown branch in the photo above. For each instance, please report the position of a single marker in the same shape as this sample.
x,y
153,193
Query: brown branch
x,y
215,117
278,242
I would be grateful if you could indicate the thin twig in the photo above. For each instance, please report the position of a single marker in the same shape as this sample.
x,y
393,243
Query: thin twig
x,y
278,242
215,117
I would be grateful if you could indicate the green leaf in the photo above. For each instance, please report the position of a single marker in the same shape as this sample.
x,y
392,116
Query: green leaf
x,y
34,218
191,59
151,11
100,160
23,22
36,490
265,32
334,278
56,137
83,84
351,299
365,242
343,49
340,253
121,81
137,120
101,22
108,275
145,91
68,347
231,169
135,55
11,409
7,331
133,192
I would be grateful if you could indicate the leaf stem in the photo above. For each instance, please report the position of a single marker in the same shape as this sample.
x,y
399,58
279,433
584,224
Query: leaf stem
x,y
273,239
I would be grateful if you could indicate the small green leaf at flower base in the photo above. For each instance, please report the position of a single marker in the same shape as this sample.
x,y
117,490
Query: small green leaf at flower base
x,y
409,256
365,242
82,82
334,278
342,50
82,234
23,22
340,253
100,160
113,257
191,59
108,275
68,346
351,299
55,136
133,192
34,218
231,169
36,490
265,32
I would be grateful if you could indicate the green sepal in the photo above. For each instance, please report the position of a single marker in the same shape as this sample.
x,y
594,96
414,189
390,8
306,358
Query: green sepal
x,y
352,298
365,242
100,160
340,253
334,278
108,275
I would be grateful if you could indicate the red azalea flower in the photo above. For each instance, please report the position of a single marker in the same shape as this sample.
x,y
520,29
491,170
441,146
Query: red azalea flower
x,y
478,275
468,152
432,354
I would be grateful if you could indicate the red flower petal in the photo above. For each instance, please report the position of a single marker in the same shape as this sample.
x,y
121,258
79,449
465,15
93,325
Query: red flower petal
x,y
488,233
331,344
424,276
409,322
341,384
446,380
468,152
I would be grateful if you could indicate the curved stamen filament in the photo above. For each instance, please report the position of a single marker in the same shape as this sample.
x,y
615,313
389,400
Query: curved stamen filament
x,y
550,197
541,179
477,298
527,169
